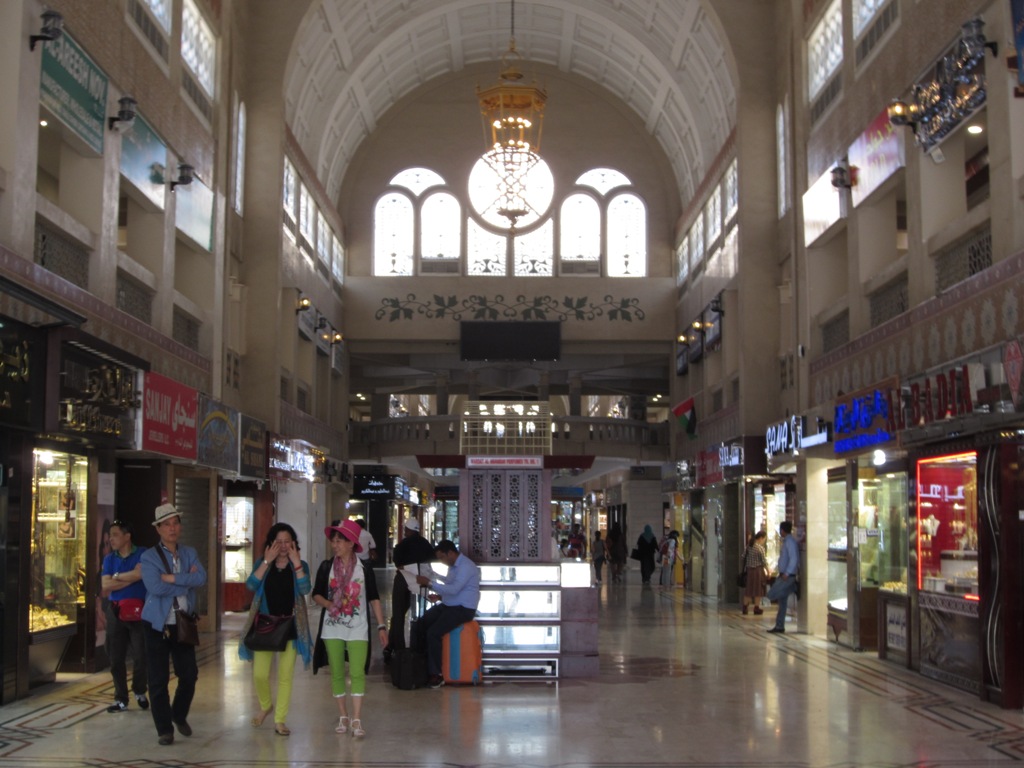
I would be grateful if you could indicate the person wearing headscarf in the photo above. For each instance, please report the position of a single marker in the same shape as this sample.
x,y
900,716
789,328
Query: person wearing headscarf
x,y
646,548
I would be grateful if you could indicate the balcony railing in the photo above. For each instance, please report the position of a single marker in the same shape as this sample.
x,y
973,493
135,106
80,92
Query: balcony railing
x,y
570,436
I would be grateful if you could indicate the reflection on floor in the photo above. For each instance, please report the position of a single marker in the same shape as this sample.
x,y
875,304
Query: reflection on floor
x,y
683,681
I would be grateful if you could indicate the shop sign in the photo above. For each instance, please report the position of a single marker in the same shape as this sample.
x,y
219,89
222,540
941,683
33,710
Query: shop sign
x,y
21,372
252,451
862,420
217,439
414,495
373,487
787,437
709,470
401,489
504,462
98,397
169,417
875,156
730,456
937,397
294,459
74,89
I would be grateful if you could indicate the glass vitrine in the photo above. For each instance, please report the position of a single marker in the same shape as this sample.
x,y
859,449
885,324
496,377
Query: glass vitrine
x,y
947,524
838,546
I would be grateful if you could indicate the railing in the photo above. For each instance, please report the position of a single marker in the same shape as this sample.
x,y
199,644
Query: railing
x,y
571,435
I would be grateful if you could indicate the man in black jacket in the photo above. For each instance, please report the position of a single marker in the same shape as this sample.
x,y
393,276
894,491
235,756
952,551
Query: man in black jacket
x,y
412,549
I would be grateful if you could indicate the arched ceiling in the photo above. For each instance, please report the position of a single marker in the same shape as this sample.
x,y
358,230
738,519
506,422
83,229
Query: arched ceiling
x,y
666,59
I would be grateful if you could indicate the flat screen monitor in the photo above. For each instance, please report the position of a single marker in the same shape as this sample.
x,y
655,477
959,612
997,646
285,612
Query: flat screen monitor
x,y
508,340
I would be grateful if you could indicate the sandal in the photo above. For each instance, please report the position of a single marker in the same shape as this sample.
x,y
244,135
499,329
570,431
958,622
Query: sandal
x,y
257,720
281,729
357,728
342,726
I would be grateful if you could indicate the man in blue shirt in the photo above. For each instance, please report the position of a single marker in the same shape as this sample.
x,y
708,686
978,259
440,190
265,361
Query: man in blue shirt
x,y
121,578
785,584
459,593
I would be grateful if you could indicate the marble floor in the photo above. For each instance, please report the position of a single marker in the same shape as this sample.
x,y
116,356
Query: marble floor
x,y
683,682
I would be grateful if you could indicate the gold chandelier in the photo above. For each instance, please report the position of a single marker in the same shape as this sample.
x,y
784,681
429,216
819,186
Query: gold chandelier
x,y
513,115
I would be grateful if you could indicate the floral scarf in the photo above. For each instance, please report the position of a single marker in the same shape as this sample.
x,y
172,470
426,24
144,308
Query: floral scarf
x,y
344,593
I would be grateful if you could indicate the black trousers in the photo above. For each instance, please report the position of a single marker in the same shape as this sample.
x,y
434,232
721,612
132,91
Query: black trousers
x,y
122,637
161,651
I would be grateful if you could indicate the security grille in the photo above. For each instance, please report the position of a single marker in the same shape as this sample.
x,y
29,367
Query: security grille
x,y
964,258
185,330
195,93
825,99
134,299
149,28
883,22
835,333
889,302
62,256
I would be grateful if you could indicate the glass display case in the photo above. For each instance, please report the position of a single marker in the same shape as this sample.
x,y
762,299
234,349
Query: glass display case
x,y
238,551
838,547
947,525
881,514
58,557
520,614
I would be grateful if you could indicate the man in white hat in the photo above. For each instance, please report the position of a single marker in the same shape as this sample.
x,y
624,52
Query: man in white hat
x,y
412,549
171,573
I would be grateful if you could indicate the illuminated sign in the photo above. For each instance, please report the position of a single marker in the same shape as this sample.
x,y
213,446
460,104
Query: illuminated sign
x,y
788,437
510,462
863,420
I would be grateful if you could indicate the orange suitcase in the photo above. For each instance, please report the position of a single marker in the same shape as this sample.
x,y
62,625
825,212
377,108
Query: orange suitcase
x,y
462,654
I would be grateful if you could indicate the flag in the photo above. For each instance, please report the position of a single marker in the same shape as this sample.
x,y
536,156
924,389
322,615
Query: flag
x,y
686,412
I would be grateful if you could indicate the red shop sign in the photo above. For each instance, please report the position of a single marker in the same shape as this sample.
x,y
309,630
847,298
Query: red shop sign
x,y
169,417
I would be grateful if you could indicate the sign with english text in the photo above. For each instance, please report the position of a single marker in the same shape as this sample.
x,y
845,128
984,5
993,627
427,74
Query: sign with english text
x,y
74,89
169,411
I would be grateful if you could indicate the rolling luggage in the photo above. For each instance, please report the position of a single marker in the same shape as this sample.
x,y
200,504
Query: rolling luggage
x,y
462,654
408,669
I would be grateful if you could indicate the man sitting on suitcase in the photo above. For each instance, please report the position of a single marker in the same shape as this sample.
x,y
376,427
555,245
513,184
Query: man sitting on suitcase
x,y
459,593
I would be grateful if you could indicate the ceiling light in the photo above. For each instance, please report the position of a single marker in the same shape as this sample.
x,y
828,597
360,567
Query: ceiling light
x,y
974,130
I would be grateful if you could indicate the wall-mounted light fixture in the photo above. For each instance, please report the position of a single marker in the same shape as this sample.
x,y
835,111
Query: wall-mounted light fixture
x,y
321,322
958,88
303,303
53,28
186,173
844,177
125,117
716,305
337,338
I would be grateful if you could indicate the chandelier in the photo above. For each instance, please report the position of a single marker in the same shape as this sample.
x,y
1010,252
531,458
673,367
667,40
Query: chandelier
x,y
512,114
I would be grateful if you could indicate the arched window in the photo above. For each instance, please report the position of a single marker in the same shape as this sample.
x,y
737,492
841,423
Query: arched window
x,y
627,237
486,251
393,235
581,229
535,255
604,180
417,180
440,220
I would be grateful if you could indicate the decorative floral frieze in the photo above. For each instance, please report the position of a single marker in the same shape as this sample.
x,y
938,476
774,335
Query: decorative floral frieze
x,y
480,307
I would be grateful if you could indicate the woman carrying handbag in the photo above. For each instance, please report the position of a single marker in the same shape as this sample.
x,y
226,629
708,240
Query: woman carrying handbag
x,y
278,624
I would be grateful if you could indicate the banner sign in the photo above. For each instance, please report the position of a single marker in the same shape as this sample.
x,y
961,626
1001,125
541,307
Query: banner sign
x,y
74,89
252,439
875,156
217,435
169,417
143,156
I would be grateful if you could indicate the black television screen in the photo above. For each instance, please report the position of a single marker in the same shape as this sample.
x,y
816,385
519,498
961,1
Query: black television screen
x,y
510,340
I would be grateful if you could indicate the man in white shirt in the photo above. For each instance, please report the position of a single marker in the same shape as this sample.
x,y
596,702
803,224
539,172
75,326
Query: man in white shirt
x,y
366,541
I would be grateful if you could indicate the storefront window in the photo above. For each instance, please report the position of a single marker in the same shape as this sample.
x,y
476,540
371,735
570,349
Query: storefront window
x,y
881,528
838,545
947,524
59,498
238,549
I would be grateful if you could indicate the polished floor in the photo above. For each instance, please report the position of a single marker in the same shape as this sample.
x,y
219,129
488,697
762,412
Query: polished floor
x,y
683,682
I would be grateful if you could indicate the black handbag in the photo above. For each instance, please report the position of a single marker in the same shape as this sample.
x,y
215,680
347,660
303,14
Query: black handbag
x,y
741,580
270,633
635,554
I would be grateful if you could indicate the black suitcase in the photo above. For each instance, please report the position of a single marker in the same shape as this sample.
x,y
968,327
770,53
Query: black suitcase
x,y
408,669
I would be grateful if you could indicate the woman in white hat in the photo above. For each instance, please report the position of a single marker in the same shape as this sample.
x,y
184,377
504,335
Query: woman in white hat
x,y
347,591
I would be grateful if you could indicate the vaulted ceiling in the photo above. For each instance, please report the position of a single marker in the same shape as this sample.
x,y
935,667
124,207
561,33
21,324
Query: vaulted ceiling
x,y
666,59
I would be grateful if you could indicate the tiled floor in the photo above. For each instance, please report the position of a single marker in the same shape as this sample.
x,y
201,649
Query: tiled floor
x,y
682,682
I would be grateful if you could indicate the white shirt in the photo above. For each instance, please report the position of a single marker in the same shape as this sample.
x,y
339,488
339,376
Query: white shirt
x,y
367,543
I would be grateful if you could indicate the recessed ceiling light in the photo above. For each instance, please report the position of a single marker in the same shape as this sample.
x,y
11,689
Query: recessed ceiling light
x,y
975,129
43,123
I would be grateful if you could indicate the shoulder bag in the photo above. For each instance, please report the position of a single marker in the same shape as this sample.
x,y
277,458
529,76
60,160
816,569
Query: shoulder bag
x,y
129,609
267,631
187,621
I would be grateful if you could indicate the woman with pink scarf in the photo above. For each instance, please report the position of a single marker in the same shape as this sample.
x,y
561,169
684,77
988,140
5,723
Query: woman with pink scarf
x,y
347,591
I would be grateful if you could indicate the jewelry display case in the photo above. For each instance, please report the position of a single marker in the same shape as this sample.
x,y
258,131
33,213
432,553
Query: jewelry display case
x,y
520,616
58,558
